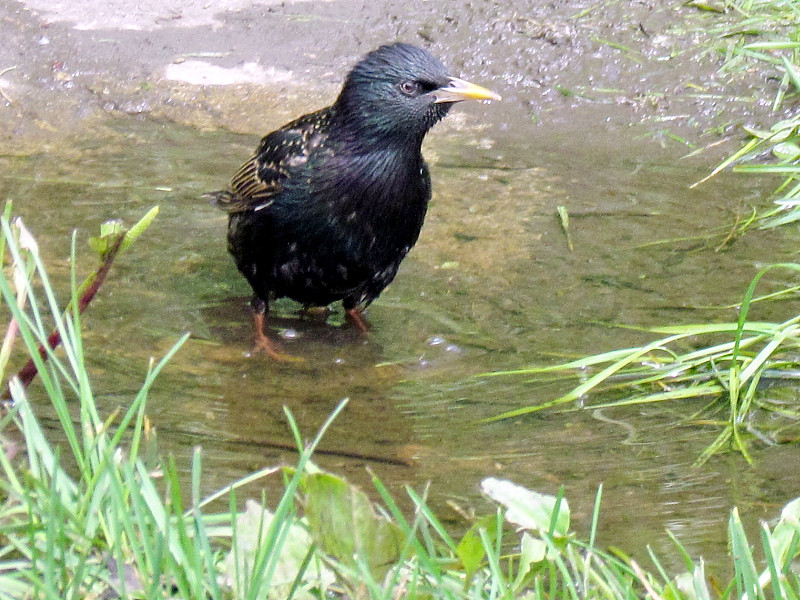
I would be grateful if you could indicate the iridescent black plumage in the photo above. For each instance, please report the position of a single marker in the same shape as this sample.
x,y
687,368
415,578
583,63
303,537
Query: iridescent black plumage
x,y
332,202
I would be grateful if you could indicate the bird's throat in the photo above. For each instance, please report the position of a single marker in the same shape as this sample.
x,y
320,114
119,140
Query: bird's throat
x,y
378,196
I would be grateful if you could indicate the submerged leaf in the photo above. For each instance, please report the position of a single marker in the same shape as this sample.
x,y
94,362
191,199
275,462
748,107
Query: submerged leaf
x,y
563,216
709,5
786,150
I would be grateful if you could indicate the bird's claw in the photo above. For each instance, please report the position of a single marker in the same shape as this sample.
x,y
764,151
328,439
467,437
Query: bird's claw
x,y
270,348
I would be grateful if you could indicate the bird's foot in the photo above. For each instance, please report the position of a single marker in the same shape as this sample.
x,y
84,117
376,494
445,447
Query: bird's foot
x,y
266,344
356,319
272,349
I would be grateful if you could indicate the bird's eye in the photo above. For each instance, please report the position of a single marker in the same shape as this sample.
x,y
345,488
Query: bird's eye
x,y
410,88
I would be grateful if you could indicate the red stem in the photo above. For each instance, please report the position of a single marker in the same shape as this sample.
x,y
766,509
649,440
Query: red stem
x,y
29,371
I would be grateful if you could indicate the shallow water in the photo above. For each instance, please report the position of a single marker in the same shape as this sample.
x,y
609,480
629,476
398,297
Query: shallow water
x,y
491,285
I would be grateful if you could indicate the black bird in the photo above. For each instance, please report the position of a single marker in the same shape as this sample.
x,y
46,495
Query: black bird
x,y
332,202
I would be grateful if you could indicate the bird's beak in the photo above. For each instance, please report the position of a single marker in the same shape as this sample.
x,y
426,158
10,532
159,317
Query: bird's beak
x,y
458,90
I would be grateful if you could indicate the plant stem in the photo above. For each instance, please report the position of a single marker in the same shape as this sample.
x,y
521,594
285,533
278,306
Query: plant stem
x,y
87,291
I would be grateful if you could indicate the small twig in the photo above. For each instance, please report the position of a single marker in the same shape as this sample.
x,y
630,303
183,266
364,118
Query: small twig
x,y
386,460
90,288
402,585
731,234
643,580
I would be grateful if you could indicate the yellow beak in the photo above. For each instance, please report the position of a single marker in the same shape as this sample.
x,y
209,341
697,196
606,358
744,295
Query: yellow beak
x,y
458,90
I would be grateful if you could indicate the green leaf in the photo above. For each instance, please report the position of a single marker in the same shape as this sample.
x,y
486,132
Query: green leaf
x,y
709,5
532,551
743,561
791,512
757,133
680,588
139,228
782,538
251,532
528,509
470,550
786,151
109,233
111,230
343,522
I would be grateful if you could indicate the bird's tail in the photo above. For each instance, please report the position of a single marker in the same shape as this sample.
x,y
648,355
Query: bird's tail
x,y
222,199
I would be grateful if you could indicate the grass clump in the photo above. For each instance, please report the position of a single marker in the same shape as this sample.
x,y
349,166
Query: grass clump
x,y
765,35
88,517
731,369
775,151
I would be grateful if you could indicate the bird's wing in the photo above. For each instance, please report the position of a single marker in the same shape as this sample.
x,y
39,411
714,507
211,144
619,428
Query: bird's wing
x,y
279,154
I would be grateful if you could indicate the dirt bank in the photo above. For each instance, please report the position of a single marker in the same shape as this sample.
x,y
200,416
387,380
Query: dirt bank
x,y
248,65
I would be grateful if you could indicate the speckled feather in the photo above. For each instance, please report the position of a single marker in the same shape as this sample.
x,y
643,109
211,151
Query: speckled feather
x,y
332,202
279,153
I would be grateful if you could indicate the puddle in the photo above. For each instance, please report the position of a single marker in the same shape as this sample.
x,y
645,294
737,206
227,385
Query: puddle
x,y
491,285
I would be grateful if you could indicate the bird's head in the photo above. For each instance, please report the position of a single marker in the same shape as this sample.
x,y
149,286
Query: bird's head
x,y
399,91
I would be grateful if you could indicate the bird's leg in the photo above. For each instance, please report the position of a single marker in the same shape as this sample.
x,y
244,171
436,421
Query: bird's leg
x,y
264,343
355,316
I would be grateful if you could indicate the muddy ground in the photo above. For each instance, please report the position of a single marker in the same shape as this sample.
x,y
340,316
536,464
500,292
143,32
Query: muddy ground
x,y
249,65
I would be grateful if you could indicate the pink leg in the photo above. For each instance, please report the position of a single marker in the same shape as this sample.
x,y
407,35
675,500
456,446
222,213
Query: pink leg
x,y
266,344
356,318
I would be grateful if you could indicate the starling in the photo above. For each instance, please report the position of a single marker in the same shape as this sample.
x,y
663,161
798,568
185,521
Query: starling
x,y
333,201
